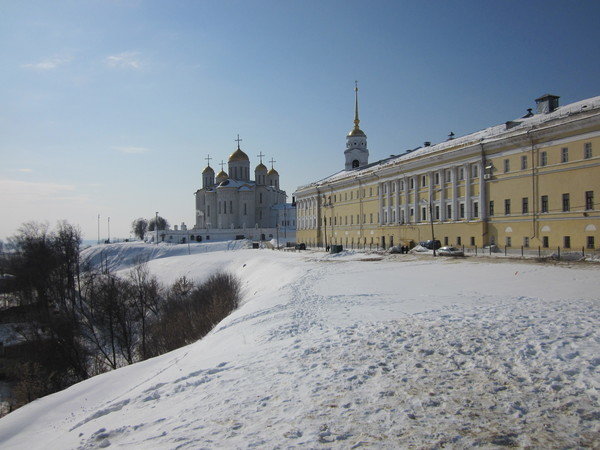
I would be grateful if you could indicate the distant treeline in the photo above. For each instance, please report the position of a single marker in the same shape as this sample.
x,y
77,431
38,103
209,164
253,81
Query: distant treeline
x,y
75,322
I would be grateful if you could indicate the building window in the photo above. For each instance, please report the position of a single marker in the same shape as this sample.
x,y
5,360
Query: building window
x,y
412,212
393,187
462,210
589,200
245,210
525,204
545,242
567,241
461,173
445,240
423,180
423,214
472,241
475,209
260,198
590,242
224,206
437,178
543,159
491,211
370,192
523,162
230,206
507,206
401,185
525,242
458,240
566,204
448,175
506,165
587,150
544,203
564,155
437,212
371,217
508,241
474,171
449,212
207,210
412,183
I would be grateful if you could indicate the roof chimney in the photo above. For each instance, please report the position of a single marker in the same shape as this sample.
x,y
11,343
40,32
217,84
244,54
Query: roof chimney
x,y
450,136
427,144
547,103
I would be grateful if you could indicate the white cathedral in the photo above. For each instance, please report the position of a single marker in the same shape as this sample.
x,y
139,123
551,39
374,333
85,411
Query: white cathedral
x,y
233,203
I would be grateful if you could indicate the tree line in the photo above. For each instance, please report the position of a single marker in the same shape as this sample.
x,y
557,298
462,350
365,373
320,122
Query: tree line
x,y
141,226
75,322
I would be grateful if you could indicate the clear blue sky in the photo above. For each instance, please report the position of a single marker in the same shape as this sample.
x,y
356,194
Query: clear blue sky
x,y
110,107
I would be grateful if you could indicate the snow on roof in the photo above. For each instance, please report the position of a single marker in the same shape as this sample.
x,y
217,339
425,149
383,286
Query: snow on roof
x,y
488,134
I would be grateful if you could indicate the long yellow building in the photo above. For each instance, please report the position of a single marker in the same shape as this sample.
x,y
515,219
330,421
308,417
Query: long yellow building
x,y
528,182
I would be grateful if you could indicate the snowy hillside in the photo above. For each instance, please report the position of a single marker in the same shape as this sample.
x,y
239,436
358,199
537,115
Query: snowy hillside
x,y
347,351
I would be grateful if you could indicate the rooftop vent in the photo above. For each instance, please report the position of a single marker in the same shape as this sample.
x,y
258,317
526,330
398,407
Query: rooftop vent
x,y
427,144
450,136
510,124
547,103
529,113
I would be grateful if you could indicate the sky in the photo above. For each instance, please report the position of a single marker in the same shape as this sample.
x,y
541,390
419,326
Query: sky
x,y
110,107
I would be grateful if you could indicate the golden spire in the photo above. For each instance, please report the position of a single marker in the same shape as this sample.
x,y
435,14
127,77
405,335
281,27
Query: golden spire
x,y
356,120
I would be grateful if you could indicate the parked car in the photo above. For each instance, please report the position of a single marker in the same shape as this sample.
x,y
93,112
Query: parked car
x,y
450,251
430,244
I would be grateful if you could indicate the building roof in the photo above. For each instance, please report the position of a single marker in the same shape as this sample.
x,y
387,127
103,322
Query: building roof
x,y
491,134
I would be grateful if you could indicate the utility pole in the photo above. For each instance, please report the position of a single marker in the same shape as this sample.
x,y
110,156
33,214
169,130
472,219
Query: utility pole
x,y
109,230
156,227
431,220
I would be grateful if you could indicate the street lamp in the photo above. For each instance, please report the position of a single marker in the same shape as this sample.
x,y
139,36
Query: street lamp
x,y
431,222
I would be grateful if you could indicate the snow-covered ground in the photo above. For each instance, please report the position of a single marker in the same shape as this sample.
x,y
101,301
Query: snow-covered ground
x,y
352,350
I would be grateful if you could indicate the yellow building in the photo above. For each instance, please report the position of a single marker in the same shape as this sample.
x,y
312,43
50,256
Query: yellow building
x,y
528,182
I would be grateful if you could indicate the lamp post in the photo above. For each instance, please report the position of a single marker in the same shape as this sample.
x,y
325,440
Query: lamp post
x,y
431,222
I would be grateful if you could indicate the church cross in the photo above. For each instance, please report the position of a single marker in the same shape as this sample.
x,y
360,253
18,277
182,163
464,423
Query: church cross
x,y
260,155
208,158
222,165
272,161
238,140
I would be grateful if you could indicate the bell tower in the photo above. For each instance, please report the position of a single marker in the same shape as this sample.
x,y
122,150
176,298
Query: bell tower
x,y
356,153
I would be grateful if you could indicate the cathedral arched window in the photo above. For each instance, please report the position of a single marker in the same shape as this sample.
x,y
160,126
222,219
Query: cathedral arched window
x,y
355,164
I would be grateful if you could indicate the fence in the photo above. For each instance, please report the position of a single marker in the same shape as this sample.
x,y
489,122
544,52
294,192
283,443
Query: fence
x,y
556,253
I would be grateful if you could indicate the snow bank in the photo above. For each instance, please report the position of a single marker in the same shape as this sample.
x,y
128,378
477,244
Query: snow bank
x,y
337,352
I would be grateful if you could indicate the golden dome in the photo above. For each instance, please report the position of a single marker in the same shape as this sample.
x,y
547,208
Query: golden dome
x,y
222,174
238,155
357,132
272,172
261,167
208,169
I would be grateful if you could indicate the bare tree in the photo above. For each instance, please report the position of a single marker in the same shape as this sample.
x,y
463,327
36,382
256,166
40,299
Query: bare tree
x,y
162,224
139,227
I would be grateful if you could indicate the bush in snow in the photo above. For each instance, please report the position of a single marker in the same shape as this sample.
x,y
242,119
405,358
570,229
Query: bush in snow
x,y
190,312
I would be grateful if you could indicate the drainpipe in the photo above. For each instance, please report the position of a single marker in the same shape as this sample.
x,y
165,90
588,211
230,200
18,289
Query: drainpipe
x,y
534,186
483,194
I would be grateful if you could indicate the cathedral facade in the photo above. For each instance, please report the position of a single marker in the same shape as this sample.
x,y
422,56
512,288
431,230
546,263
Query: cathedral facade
x,y
233,201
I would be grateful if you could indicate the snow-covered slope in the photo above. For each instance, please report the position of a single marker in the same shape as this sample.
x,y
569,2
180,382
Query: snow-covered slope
x,y
339,352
